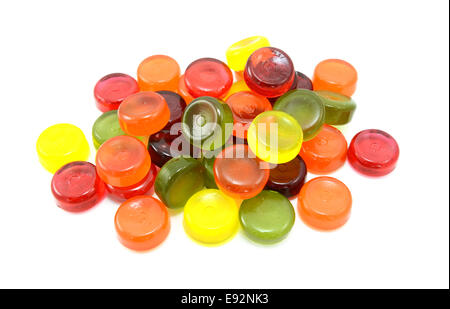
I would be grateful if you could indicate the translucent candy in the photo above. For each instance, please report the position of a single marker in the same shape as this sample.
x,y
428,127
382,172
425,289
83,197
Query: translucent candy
x,y
211,217
275,137
60,144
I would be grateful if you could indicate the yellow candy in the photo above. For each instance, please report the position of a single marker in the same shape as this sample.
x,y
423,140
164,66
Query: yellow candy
x,y
60,144
237,87
238,53
211,217
275,137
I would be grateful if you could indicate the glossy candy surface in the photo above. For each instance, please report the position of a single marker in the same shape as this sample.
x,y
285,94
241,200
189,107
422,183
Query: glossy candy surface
x,y
60,144
183,91
339,108
161,150
335,75
238,53
143,113
245,106
208,164
142,223
373,152
237,87
267,217
122,161
275,137
176,105
269,72
326,152
207,123
208,77
140,188
302,81
105,127
324,203
239,173
211,217
306,107
112,89
77,187
157,73
288,178
178,180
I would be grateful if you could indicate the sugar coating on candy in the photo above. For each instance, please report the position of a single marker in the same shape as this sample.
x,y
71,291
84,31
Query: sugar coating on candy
x,y
60,144
269,72
207,123
288,178
306,107
339,109
239,173
122,161
142,223
238,53
77,187
324,203
267,217
373,152
158,72
275,137
208,77
140,188
143,113
176,105
112,89
178,180
326,152
335,75
245,106
211,217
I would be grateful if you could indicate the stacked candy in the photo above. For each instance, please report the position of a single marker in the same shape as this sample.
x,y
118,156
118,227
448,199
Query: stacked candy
x,y
232,154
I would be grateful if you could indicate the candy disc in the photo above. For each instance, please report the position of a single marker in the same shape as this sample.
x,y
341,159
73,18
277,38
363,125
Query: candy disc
x,y
211,217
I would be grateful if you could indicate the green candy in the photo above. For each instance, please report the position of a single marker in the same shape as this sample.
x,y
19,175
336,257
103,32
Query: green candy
x,y
339,108
207,123
306,107
208,164
267,217
178,180
107,126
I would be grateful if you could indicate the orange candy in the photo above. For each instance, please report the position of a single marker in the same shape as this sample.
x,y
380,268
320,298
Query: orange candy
x,y
245,106
122,161
326,152
324,203
335,75
157,73
143,113
142,223
239,173
182,90
238,75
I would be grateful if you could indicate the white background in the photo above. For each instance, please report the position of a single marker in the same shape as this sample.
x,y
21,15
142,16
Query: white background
x,y
52,54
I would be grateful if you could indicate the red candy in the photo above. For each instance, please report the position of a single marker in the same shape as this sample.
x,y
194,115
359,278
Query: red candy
x,y
269,72
77,187
112,89
140,188
208,77
373,152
